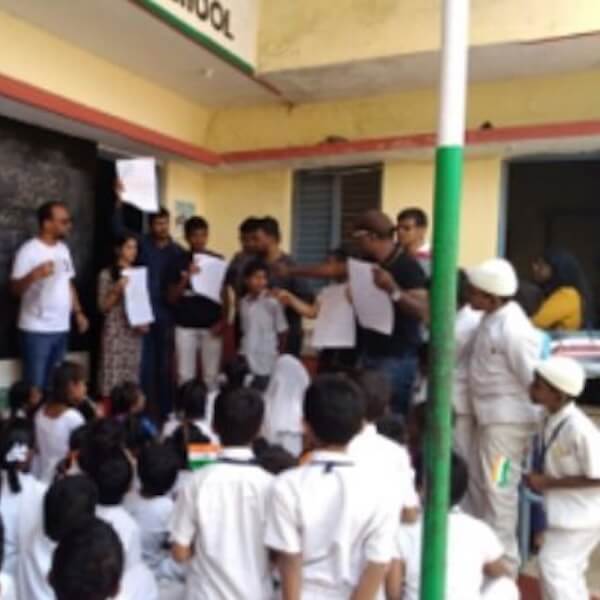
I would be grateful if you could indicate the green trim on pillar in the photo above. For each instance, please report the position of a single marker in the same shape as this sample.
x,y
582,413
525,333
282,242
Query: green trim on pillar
x,y
448,191
197,36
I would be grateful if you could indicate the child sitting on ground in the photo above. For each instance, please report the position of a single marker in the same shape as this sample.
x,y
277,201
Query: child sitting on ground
x,y
475,565
58,417
220,513
68,503
88,563
263,323
330,522
152,508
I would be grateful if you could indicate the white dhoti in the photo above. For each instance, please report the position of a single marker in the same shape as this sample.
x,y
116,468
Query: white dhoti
x,y
465,443
503,444
563,562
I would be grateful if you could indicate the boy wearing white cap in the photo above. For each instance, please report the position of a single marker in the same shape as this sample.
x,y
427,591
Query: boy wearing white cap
x,y
569,481
505,351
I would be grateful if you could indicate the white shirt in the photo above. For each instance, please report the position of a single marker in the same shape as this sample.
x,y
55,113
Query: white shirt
x,y
153,516
390,459
471,545
138,583
338,516
262,320
34,565
7,587
505,351
127,530
575,451
52,435
222,512
20,514
46,304
467,322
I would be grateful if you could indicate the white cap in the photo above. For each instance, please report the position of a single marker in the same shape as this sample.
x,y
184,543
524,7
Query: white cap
x,y
563,373
495,276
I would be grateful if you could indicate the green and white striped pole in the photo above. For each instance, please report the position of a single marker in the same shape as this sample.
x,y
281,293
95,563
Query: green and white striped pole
x,y
448,190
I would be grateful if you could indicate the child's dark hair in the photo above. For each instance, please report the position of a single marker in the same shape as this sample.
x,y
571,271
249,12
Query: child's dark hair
x,y
393,427
68,503
77,440
158,466
273,458
113,475
238,416
182,437
192,399
16,439
255,266
377,393
334,407
459,476
139,431
63,376
18,398
103,439
124,397
88,563
236,371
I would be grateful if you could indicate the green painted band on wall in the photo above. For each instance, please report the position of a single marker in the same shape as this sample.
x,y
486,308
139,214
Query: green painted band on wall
x,y
197,36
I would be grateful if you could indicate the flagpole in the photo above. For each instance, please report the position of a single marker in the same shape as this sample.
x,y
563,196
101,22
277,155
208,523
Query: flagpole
x,y
448,191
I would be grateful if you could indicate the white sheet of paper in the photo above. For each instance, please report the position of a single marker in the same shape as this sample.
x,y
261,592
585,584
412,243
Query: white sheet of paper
x,y
335,326
140,188
209,281
137,299
374,308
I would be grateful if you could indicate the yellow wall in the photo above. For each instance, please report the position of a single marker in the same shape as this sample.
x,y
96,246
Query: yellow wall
x,y
231,197
411,184
519,102
307,33
36,57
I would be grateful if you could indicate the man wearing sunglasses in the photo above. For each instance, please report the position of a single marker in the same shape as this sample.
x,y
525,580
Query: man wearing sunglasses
x,y
42,277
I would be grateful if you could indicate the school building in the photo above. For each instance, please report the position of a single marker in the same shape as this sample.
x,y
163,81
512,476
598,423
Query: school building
x,y
309,111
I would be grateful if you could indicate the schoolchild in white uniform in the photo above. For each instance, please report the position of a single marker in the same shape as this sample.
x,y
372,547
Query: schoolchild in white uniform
x,y
505,351
152,509
377,452
331,522
475,568
68,503
7,582
218,522
88,563
569,479
21,494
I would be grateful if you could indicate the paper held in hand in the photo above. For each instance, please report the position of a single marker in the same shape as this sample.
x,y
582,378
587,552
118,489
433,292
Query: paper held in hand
x,y
209,280
138,178
137,299
374,307
335,326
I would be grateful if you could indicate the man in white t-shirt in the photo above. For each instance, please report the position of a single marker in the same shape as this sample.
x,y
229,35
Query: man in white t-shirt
x,y
42,277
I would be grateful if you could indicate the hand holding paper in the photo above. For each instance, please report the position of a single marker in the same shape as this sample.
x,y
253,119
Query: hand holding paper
x,y
209,276
374,307
137,183
335,326
137,300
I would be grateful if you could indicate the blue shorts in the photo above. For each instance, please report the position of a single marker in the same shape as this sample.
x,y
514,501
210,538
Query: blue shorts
x,y
41,353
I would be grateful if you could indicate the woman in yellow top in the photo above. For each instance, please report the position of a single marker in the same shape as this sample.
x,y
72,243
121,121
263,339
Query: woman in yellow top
x,y
567,305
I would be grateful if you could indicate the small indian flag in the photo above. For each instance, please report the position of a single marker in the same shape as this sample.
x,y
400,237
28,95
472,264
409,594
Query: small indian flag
x,y
200,455
501,471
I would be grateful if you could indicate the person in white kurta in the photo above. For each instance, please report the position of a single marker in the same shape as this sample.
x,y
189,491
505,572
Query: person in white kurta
x,y
219,517
331,522
505,351
475,569
569,480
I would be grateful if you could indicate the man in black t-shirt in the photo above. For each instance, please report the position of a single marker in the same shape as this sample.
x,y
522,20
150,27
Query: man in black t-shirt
x,y
199,321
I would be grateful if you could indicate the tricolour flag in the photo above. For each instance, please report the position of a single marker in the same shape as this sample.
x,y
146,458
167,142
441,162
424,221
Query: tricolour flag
x,y
501,471
200,455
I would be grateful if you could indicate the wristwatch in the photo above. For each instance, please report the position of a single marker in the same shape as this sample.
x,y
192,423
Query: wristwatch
x,y
397,295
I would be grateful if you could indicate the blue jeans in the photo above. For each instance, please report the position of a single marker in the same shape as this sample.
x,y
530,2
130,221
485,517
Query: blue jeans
x,y
42,352
401,372
158,379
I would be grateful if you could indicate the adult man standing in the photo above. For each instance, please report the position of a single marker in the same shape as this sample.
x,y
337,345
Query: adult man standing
x,y
42,277
411,231
157,250
268,245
